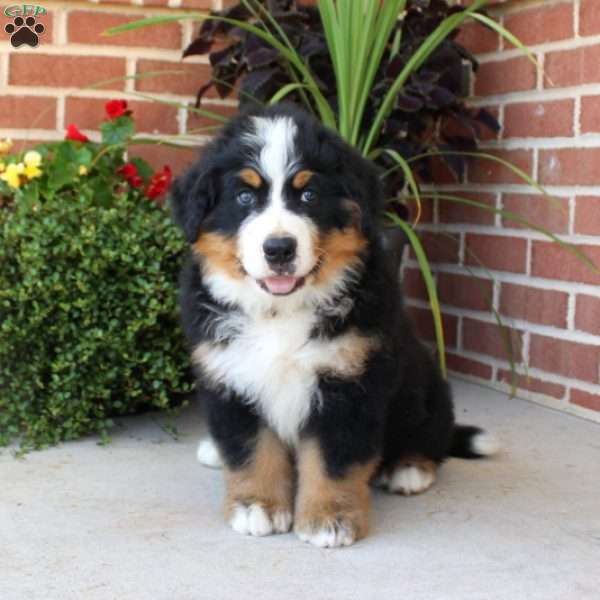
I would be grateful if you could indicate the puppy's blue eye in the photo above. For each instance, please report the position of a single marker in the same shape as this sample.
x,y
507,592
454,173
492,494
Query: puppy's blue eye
x,y
308,196
246,198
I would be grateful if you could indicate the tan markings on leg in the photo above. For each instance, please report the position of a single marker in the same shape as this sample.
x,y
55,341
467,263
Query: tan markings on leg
x,y
337,251
331,512
264,486
219,254
250,177
301,178
411,475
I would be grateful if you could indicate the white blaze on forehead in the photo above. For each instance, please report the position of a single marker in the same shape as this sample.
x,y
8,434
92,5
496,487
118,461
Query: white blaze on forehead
x,y
275,137
276,159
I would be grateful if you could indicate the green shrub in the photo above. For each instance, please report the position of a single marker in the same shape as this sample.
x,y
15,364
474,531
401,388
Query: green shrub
x,y
88,295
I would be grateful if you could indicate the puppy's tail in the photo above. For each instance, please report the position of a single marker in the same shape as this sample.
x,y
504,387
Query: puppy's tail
x,y
472,442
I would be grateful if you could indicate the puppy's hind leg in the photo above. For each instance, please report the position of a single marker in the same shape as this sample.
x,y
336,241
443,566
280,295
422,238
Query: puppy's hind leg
x,y
208,454
410,475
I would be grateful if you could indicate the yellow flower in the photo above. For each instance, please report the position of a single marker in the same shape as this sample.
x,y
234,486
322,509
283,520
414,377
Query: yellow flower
x,y
2,166
83,170
32,158
12,175
32,172
6,146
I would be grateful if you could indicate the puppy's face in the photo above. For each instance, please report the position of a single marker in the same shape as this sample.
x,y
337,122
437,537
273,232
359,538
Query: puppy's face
x,y
285,208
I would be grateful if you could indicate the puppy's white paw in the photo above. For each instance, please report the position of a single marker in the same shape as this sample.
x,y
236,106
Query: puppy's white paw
x,y
329,535
255,520
208,454
410,479
485,444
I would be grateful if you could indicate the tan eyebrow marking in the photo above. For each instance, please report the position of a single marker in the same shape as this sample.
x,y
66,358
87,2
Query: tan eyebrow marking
x,y
251,177
301,178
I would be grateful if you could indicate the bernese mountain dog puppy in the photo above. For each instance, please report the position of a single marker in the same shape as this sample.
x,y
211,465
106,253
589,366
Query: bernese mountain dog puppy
x,y
313,381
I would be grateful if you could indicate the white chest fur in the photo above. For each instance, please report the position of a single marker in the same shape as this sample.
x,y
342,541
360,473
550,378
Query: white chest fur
x,y
273,363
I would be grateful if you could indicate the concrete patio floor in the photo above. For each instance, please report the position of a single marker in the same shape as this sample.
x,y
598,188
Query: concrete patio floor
x,y
140,519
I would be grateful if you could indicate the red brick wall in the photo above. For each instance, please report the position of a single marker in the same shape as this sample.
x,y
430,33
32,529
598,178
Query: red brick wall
x,y
550,128
42,89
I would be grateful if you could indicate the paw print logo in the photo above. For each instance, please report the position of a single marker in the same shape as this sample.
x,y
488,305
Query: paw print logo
x,y
24,31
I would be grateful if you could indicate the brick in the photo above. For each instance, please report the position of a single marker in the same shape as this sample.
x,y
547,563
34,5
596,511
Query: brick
x,y
425,329
505,76
426,215
440,172
483,170
86,27
541,25
467,366
157,155
465,291
413,284
196,121
187,82
562,357
490,339
552,261
590,109
440,248
532,384
585,399
587,215
570,166
539,119
572,67
150,117
589,17
27,112
478,39
454,212
538,210
198,4
546,307
65,71
495,252
587,314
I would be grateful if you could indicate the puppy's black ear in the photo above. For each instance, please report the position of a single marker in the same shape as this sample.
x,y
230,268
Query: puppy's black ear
x,y
193,196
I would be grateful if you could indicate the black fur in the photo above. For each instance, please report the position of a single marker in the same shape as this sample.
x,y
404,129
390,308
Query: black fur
x,y
400,405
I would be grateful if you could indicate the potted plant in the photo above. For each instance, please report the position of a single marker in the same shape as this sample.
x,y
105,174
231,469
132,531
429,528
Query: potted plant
x,y
389,77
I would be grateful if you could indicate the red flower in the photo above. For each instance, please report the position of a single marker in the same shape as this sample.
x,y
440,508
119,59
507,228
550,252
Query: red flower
x,y
159,183
116,108
136,181
75,135
130,173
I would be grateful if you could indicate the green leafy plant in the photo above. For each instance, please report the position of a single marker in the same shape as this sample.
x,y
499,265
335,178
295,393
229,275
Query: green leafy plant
x,y
364,69
89,262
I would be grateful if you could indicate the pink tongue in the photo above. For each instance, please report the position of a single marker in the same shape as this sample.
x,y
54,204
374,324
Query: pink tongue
x,y
280,285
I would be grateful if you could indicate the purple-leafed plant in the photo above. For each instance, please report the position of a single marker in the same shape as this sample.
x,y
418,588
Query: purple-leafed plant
x,y
428,115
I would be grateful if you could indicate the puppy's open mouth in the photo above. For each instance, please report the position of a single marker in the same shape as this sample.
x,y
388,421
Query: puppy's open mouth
x,y
281,285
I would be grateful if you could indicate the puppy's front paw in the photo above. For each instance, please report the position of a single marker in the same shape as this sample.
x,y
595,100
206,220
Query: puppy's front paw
x,y
328,534
256,519
331,530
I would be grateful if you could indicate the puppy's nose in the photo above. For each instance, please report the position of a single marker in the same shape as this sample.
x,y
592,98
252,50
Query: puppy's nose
x,y
280,250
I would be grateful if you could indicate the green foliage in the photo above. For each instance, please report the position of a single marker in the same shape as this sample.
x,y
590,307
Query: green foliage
x,y
88,302
379,64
